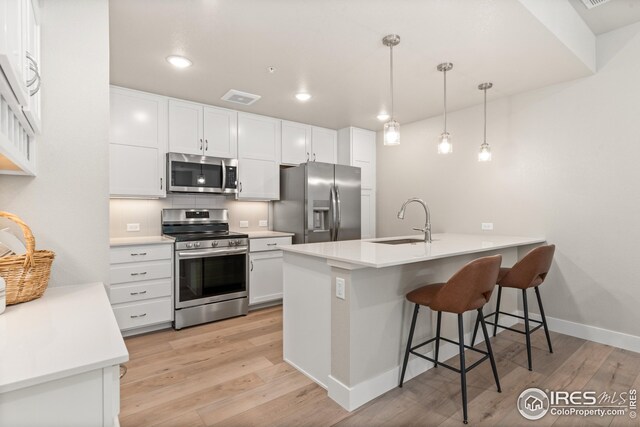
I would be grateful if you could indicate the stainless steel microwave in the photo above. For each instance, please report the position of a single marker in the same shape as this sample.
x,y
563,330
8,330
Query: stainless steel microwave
x,y
188,173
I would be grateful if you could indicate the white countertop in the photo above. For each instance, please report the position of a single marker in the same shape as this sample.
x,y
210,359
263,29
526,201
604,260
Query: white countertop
x,y
369,254
68,331
142,240
266,233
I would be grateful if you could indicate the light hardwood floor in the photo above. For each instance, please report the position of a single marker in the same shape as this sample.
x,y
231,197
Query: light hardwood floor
x,y
231,373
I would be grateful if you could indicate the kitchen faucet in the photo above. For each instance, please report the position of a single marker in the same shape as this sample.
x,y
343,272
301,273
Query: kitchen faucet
x,y
427,226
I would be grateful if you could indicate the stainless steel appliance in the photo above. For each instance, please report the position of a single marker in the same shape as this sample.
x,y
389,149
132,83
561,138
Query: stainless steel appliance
x,y
210,276
319,202
188,173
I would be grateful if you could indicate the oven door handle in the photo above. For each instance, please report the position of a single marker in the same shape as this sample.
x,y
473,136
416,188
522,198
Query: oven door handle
x,y
211,253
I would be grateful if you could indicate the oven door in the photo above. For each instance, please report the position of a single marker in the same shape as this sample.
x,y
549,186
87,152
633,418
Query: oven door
x,y
195,174
210,275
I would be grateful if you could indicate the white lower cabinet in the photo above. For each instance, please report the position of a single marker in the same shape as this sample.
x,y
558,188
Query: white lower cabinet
x,y
141,289
368,214
265,270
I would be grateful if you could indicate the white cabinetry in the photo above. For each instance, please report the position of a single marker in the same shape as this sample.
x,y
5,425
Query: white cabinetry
x,y
141,289
265,270
202,130
357,147
137,143
258,157
304,143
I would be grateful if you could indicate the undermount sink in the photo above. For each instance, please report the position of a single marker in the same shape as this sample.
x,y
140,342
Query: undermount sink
x,y
401,241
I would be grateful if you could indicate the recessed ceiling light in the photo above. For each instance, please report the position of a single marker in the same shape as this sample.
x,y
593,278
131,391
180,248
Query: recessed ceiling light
x,y
271,70
383,117
179,61
303,96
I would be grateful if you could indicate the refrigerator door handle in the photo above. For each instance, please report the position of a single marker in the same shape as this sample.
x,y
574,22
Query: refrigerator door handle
x,y
338,211
333,228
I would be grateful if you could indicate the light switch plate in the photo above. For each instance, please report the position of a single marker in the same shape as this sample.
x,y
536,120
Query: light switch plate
x,y
487,226
133,227
340,287
244,224
263,223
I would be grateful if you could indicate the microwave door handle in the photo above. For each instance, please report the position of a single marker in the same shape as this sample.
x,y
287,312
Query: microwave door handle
x,y
224,175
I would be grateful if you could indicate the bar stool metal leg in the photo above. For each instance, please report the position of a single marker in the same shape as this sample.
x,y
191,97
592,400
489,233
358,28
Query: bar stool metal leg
x,y
409,340
544,319
438,339
526,326
475,331
495,320
489,349
463,373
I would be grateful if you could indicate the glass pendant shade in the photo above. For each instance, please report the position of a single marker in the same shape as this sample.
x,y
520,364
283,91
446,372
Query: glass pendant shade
x,y
485,153
445,146
392,133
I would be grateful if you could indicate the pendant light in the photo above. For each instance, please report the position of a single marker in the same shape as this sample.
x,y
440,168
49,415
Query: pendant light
x,y
392,127
485,151
445,146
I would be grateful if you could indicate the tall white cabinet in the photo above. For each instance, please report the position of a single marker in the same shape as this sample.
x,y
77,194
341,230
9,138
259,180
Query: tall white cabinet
x,y
137,143
202,130
357,147
258,157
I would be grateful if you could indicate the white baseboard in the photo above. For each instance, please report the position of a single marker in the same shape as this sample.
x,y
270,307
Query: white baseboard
x,y
352,398
591,333
306,374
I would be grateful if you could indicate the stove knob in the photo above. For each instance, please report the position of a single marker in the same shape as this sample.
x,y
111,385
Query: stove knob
x,y
189,245
196,244
215,244
238,242
232,243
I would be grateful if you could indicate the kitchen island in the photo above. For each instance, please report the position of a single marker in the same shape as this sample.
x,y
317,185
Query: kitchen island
x,y
346,320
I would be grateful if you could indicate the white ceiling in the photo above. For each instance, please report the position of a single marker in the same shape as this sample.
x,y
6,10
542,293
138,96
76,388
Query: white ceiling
x,y
333,49
608,16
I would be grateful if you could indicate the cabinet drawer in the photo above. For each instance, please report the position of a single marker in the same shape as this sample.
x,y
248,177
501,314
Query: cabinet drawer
x,y
124,254
140,291
268,244
136,315
136,272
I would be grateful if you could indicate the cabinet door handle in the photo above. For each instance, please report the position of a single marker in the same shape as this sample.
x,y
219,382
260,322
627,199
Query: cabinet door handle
x,y
272,244
240,185
135,316
141,274
251,265
314,157
161,183
206,145
200,143
138,293
307,156
141,254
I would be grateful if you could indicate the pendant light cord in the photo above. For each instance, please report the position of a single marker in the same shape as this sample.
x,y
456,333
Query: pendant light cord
x,y
445,100
485,115
391,79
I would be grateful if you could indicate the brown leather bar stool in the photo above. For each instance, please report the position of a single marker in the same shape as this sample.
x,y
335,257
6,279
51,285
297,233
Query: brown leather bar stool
x,y
469,289
529,272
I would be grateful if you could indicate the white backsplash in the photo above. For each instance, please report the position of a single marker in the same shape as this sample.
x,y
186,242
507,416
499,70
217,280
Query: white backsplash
x,y
146,213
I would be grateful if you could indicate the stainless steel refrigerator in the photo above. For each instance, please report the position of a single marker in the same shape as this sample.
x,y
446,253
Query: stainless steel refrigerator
x,y
319,202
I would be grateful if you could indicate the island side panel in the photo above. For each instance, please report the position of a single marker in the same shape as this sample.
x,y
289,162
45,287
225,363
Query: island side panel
x,y
366,358
307,315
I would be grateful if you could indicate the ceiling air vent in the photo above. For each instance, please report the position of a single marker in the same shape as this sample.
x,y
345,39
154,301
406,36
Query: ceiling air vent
x,y
590,4
239,97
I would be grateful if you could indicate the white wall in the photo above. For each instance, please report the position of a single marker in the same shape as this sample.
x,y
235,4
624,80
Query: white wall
x,y
565,166
67,204
147,213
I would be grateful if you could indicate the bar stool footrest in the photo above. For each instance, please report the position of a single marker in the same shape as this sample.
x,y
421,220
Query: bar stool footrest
x,y
429,341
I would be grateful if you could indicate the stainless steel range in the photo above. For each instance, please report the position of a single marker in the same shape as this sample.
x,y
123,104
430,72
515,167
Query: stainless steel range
x,y
211,267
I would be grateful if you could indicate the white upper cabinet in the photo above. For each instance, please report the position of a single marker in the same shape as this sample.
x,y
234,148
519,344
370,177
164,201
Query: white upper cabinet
x,y
357,147
32,73
258,157
137,143
304,143
296,143
13,46
202,130
323,144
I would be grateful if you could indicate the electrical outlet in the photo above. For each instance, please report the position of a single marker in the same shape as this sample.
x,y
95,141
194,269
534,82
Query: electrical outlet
x,y
133,227
244,224
263,223
487,226
340,287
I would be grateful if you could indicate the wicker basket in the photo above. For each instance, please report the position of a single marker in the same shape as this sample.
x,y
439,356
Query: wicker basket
x,y
26,275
